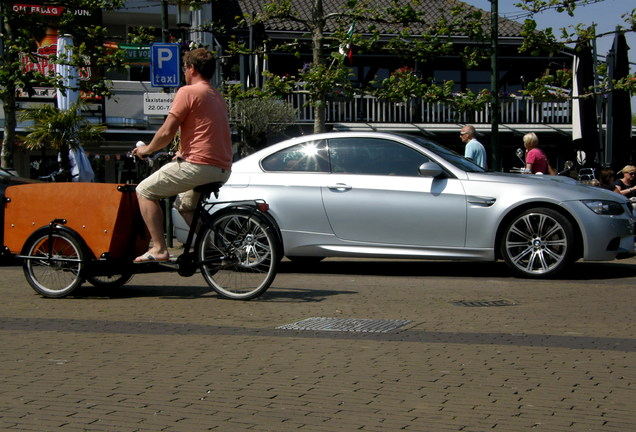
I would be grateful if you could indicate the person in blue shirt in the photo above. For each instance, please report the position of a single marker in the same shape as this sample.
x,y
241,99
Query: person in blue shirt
x,y
474,150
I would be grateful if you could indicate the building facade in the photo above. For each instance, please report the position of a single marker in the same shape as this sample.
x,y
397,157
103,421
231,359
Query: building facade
x,y
129,117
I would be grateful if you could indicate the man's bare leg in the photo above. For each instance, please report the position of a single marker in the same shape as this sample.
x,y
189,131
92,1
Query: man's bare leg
x,y
153,217
187,216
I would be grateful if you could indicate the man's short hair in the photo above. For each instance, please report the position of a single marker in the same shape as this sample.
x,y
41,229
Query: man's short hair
x,y
202,60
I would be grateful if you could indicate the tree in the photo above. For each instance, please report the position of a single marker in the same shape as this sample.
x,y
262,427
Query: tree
x,y
608,80
257,113
22,29
329,31
61,130
256,118
579,34
418,38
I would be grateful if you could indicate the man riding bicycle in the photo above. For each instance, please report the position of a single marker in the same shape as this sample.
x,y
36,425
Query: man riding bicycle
x,y
205,154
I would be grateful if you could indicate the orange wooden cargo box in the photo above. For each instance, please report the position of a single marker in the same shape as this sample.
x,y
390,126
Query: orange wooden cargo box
x,y
105,215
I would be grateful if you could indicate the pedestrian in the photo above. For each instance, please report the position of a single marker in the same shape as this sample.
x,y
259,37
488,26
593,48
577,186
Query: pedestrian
x,y
200,114
606,178
626,185
474,150
536,159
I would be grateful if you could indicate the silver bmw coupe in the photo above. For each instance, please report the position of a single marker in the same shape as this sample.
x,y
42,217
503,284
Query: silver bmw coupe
x,y
382,195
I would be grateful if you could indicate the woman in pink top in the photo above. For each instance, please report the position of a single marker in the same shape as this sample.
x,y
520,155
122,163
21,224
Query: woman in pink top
x,y
536,160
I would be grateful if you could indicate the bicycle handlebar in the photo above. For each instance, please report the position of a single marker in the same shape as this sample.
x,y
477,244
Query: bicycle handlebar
x,y
151,158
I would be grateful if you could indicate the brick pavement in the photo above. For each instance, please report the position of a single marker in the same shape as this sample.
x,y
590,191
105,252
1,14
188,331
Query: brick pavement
x,y
165,354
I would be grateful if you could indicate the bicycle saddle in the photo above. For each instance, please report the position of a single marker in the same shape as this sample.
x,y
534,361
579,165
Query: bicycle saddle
x,y
209,188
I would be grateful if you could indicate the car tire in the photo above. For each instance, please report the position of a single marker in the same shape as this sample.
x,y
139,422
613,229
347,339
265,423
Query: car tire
x,y
538,243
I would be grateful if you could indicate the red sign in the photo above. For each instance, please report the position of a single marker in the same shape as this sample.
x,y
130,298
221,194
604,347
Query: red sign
x,y
39,9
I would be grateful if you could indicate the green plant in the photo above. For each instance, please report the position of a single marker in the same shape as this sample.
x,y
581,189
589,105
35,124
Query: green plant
x,y
402,85
59,130
55,128
255,118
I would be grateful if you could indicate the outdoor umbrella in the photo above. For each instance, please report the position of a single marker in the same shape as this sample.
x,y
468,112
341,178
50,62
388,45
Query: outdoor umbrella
x,y
68,73
584,122
81,169
619,122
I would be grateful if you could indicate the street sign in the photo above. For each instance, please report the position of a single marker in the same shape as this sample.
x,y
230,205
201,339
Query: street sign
x,y
157,104
165,65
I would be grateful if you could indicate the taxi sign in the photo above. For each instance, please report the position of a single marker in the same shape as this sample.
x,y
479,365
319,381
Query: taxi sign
x,y
165,65
157,104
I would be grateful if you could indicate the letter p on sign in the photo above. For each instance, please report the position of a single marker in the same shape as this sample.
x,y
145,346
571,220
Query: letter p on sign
x,y
165,70
165,55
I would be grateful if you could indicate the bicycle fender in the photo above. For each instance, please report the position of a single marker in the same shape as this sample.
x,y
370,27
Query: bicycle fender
x,y
45,230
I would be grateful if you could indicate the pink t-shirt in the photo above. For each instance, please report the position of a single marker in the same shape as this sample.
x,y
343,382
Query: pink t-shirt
x,y
538,159
205,131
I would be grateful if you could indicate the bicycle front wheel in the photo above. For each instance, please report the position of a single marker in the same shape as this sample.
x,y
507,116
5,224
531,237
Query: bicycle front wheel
x,y
55,263
238,255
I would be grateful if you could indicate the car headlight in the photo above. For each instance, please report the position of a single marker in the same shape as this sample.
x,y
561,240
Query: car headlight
x,y
602,207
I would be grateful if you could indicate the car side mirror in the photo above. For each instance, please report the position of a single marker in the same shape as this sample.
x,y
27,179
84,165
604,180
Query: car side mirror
x,y
430,169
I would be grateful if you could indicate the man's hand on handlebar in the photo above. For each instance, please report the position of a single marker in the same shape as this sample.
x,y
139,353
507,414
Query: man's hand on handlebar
x,y
140,150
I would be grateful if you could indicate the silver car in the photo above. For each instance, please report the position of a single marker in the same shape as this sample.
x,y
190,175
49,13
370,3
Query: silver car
x,y
381,195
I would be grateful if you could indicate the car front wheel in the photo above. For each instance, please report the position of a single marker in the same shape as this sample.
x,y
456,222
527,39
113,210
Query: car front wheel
x,y
538,243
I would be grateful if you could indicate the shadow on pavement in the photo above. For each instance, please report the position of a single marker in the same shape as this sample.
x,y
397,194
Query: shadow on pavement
x,y
578,271
136,290
132,290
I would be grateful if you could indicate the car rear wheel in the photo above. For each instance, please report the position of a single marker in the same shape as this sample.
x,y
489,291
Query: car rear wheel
x,y
538,243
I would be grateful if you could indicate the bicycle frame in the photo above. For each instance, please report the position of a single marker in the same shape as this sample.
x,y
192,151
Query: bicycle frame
x,y
203,217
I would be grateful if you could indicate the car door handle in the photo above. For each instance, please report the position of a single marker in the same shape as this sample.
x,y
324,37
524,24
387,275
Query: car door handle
x,y
340,187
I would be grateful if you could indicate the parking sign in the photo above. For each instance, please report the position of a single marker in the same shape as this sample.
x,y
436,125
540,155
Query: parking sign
x,y
165,65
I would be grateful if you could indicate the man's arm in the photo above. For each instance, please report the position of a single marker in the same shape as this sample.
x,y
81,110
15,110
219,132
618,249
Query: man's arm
x,y
162,137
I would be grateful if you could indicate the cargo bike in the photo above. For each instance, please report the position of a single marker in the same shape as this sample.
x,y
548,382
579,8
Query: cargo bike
x,y
65,234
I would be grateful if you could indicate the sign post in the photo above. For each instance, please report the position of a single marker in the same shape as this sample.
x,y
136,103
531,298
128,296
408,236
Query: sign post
x,y
165,65
165,71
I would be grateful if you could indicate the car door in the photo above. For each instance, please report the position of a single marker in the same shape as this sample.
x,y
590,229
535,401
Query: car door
x,y
291,184
375,194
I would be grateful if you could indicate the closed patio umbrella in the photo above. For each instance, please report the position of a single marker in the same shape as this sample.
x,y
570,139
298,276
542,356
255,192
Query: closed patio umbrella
x,y
80,167
585,133
619,122
68,73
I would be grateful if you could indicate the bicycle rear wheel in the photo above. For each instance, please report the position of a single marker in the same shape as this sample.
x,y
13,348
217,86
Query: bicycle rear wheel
x,y
239,254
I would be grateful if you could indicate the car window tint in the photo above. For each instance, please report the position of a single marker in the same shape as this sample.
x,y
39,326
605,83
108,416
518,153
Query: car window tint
x,y
305,157
374,157
449,155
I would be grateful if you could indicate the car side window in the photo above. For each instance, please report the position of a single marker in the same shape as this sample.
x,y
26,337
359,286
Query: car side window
x,y
305,157
371,156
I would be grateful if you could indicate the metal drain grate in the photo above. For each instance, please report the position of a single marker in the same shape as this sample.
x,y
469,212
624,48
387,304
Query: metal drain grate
x,y
484,303
345,325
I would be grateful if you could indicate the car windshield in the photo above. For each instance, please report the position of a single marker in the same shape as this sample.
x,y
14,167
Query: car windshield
x,y
448,155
